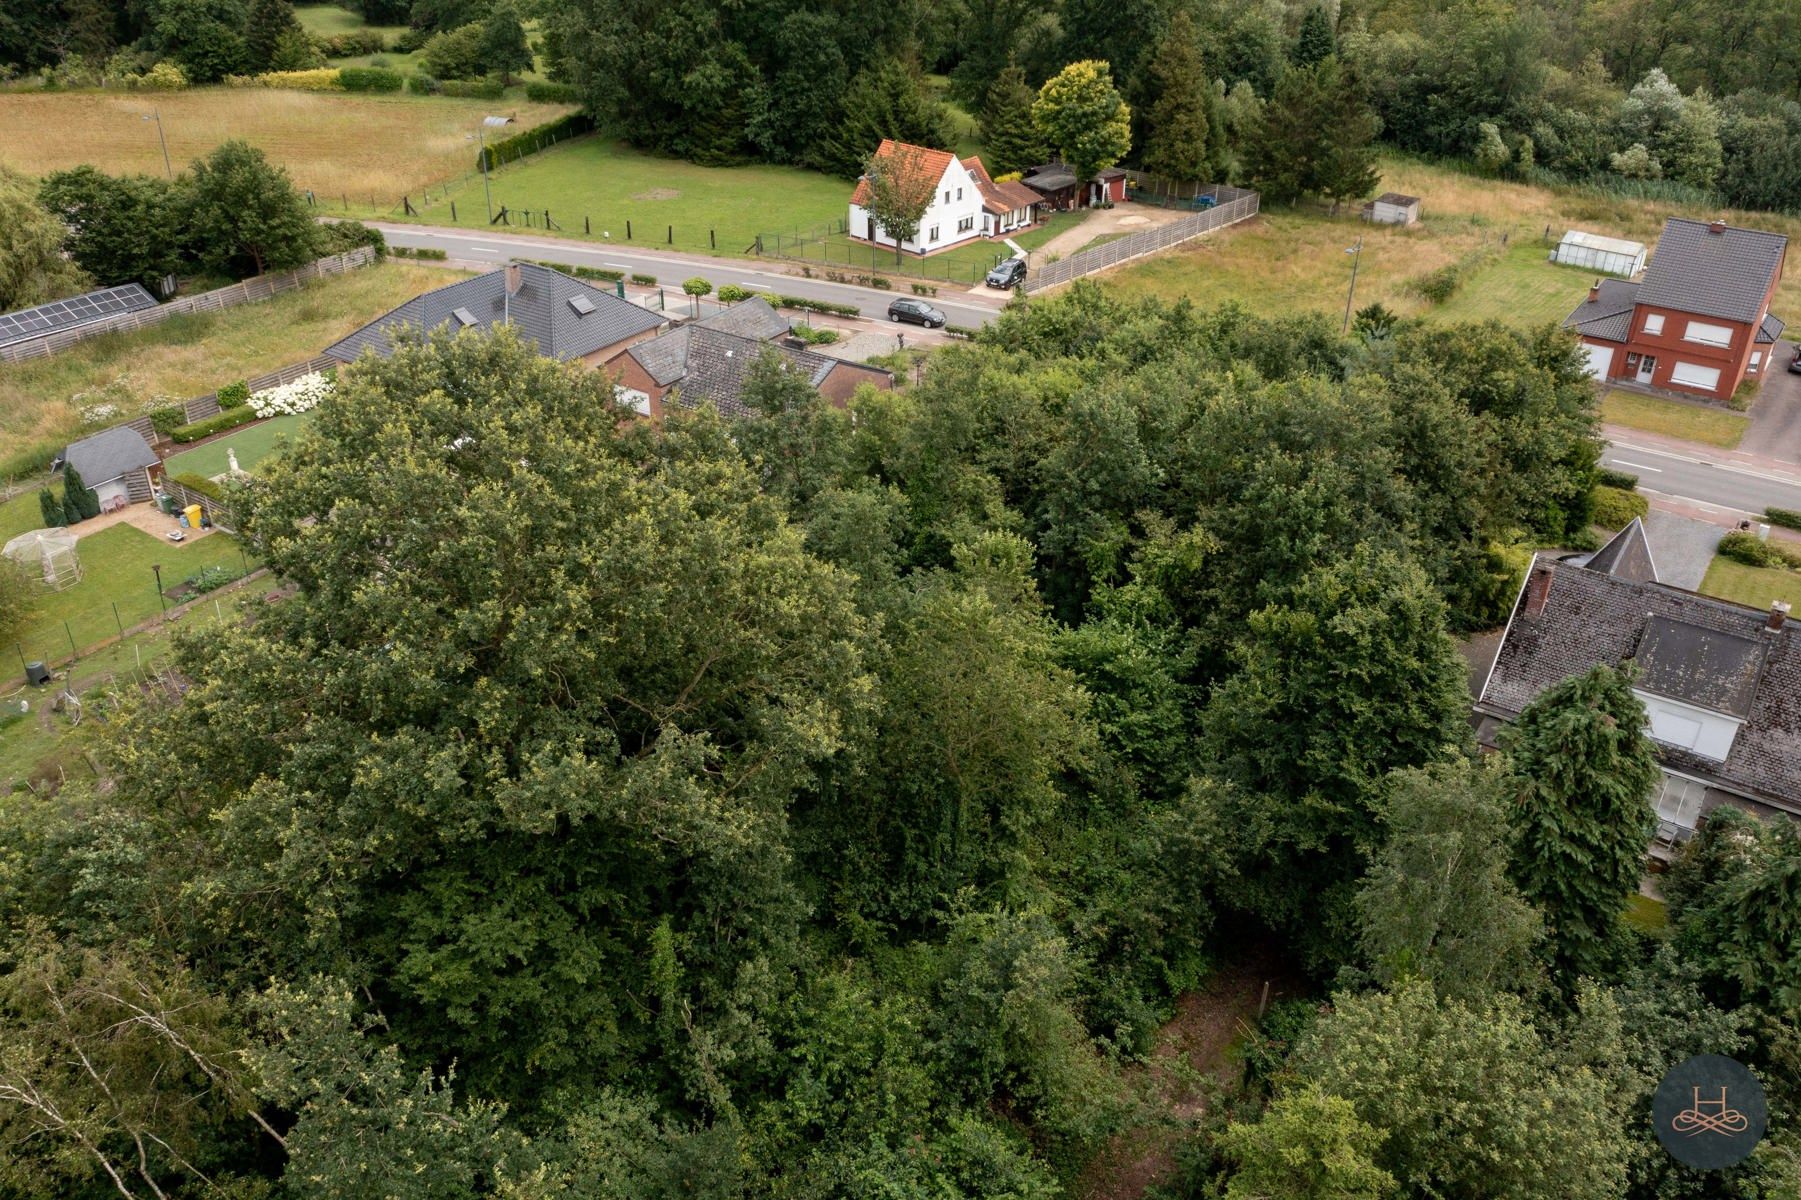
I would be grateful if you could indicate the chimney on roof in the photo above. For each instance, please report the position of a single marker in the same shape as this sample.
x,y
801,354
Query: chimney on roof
x,y
512,279
1778,615
1718,225
1594,291
1538,591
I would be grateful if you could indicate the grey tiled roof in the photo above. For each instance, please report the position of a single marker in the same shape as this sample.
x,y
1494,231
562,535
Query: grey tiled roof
x,y
1771,329
1627,554
1724,274
1609,316
718,364
665,358
1691,646
110,454
753,318
539,311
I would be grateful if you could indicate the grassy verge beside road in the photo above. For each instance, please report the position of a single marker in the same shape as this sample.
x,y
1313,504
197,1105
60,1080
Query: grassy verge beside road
x,y
192,355
1673,418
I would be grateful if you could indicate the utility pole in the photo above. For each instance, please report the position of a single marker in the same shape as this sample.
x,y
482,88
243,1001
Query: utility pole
x,y
481,139
156,115
1356,253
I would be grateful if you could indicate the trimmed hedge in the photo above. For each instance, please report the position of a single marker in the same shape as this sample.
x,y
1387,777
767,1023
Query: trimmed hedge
x,y
644,280
421,84
529,141
424,252
1618,479
349,45
1748,548
474,89
1788,518
824,306
201,484
1615,507
228,419
961,331
370,79
551,93
318,79
732,293
605,273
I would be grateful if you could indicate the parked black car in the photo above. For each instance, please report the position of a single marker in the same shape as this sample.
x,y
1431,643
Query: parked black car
x,y
1794,364
1008,274
916,311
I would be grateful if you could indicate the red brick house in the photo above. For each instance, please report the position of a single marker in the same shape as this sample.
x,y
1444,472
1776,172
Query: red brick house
x,y
1698,322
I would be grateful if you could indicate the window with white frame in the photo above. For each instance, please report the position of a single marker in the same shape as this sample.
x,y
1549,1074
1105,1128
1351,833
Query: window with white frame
x,y
1679,801
1708,335
966,224
933,236
947,195
1653,323
959,193
1756,359
1695,376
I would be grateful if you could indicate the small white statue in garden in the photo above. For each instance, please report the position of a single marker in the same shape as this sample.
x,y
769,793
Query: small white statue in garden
x,y
231,460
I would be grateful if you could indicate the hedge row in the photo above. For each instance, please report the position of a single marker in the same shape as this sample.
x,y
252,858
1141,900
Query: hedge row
x,y
551,93
1619,479
370,79
474,89
1788,518
201,484
529,141
602,273
424,252
824,306
1753,551
226,419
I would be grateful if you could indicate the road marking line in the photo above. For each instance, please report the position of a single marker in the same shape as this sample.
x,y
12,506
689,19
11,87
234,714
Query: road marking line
x,y
488,249
1790,480
1620,462
1691,500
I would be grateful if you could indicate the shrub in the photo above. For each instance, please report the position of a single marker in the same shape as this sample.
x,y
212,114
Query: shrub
x,y
1745,547
814,337
166,418
1788,518
234,394
341,237
206,579
1617,479
1615,507
923,289
370,79
530,141
696,286
731,293
961,331
355,42
456,53
320,79
644,280
551,93
1435,287
473,89
229,418
163,77
824,306
409,40
1742,395
200,483
421,84
303,395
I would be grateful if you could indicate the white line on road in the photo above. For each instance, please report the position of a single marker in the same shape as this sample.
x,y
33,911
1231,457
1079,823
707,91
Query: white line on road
x,y
1703,462
1691,500
1620,462
488,249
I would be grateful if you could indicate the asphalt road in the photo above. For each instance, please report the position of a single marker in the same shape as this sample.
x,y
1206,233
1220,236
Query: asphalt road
x,y
961,308
1725,487
1729,489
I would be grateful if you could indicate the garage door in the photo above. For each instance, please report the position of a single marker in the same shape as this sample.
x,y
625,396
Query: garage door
x,y
1690,375
1600,360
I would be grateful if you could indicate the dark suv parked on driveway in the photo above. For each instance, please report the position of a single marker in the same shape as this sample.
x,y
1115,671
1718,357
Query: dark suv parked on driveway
x,y
916,311
1008,274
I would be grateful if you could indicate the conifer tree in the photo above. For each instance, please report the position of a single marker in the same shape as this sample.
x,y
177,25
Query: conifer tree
x,y
267,23
504,48
1007,129
1180,127
76,492
1315,41
1583,771
884,101
51,507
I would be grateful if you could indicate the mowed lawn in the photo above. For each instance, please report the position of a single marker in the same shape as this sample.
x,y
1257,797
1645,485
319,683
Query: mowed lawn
x,y
327,20
115,569
1293,259
189,356
253,443
610,183
964,264
371,149
1755,586
1673,418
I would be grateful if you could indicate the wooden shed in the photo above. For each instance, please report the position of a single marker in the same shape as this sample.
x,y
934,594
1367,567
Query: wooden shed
x,y
1392,208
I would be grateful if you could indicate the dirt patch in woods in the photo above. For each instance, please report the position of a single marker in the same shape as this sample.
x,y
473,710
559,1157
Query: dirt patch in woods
x,y
659,194
1198,1041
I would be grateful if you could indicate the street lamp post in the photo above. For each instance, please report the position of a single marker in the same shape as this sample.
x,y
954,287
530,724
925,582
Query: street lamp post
x,y
1356,253
481,139
158,568
156,115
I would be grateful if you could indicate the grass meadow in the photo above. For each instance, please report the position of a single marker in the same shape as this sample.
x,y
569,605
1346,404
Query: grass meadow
x,y
251,443
189,356
1672,418
369,149
1756,586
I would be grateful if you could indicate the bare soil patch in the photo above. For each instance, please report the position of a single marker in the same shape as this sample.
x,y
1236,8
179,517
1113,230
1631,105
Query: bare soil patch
x,y
659,193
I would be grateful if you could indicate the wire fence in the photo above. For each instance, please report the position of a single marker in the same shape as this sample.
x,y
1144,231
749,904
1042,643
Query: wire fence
x,y
258,287
831,246
1231,205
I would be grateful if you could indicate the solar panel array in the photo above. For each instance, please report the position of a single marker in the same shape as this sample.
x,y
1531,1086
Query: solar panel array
x,y
77,310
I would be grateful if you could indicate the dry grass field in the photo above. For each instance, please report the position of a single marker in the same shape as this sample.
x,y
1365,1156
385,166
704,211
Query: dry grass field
x,y
40,399
1290,259
371,148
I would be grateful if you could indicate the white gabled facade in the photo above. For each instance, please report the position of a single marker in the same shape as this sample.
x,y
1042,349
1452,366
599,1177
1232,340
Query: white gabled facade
x,y
954,216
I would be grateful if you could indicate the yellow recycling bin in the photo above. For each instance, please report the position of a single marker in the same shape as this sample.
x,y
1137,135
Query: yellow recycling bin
x,y
193,515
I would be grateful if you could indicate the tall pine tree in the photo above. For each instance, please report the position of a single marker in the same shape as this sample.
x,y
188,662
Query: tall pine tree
x,y
51,508
77,495
1316,138
264,28
1182,139
1583,771
1011,138
1315,41
884,101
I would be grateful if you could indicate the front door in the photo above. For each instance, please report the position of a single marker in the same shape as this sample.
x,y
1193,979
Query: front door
x,y
1647,366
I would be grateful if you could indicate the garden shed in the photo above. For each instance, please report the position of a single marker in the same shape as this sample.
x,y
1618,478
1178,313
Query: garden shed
x,y
117,463
1392,208
1615,256
49,554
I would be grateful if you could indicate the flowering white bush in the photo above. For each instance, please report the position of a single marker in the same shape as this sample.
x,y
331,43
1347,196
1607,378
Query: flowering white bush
x,y
300,396
99,414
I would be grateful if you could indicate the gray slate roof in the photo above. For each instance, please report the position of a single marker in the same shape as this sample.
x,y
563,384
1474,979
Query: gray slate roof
x,y
1724,274
1608,317
1051,177
1771,329
719,362
110,454
665,358
1686,645
1627,554
539,310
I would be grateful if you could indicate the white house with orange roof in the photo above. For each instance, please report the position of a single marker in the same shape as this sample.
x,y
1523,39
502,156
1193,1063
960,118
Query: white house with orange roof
x,y
965,203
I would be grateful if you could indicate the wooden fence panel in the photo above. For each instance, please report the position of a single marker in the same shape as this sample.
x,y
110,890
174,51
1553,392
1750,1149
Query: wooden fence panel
x,y
1238,207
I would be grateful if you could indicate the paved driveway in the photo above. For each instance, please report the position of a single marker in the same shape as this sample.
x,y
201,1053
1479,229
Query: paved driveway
x,y
1776,417
1681,547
